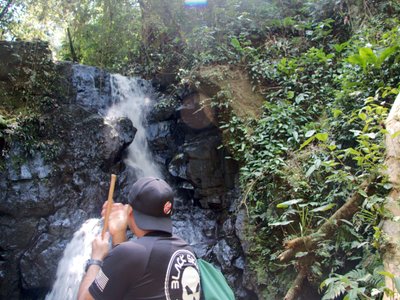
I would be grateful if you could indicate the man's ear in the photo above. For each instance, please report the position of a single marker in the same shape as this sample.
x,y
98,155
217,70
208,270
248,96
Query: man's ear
x,y
129,209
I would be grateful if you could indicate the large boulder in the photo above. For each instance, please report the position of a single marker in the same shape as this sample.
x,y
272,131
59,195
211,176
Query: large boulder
x,y
202,163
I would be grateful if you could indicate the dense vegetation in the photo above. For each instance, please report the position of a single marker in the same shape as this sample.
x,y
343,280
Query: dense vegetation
x,y
329,72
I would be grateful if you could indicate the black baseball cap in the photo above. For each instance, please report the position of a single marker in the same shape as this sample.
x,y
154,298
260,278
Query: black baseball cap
x,y
152,199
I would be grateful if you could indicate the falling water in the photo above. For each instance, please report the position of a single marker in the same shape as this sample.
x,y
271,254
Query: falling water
x,y
70,269
130,101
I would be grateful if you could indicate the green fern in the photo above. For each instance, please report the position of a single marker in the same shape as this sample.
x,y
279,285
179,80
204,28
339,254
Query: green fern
x,y
356,284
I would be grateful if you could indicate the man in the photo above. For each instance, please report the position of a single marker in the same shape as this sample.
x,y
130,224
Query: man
x,y
157,265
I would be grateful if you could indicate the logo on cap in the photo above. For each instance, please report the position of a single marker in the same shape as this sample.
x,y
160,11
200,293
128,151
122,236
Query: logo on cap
x,y
167,207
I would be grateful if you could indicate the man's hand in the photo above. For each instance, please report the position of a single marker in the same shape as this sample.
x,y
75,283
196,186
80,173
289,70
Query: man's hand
x,y
100,247
118,221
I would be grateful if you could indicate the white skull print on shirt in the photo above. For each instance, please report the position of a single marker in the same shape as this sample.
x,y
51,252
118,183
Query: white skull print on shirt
x,y
190,284
182,280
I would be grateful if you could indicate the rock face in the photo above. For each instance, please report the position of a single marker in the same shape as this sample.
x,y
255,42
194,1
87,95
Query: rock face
x,y
44,201
49,193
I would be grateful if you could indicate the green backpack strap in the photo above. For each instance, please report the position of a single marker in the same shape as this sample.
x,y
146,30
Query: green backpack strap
x,y
213,283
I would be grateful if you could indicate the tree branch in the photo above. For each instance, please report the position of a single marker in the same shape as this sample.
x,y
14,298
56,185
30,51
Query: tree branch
x,y
295,288
346,212
5,9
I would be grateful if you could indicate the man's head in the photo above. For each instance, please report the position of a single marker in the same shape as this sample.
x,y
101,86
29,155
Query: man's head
x,y
151,200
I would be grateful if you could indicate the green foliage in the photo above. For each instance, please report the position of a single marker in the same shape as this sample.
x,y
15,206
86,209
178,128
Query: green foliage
x,y
354,285
28,92
321,134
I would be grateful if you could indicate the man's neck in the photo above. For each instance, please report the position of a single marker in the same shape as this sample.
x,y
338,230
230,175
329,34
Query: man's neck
x,y
140,232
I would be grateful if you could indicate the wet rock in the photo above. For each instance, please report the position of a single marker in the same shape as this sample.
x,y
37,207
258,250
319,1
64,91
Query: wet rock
x,y
204,168
10,277
25,172
38,266
39,167
196,115
188,219
163,110
9,226
224,254
239,263
240,230
93,90
228,228
63,222
27,199
159,135
178,166
28,169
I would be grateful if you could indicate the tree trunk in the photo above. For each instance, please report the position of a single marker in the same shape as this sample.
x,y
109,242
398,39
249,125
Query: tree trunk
x,y
390,249
71,47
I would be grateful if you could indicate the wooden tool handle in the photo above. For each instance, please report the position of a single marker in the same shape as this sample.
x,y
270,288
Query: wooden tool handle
x,y
109,204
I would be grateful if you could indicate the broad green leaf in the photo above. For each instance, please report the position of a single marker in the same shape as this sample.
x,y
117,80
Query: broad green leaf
x,y
367,56
362,116
371,135
307,142
324,207
286,204
296,136
356,60
235,43
310,170
396,134
385,54
309,133
336,112
322,136
300,98
387,274
363,193
282,223
352,151
332,147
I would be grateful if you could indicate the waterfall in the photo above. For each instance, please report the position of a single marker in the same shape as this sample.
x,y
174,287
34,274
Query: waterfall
x,y
71,267
130,100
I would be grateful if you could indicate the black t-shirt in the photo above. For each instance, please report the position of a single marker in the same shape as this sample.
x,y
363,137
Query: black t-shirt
x,y
156,266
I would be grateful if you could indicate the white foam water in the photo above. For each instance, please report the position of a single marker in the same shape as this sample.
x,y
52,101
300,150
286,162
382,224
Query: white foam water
x,y
131,102
71,266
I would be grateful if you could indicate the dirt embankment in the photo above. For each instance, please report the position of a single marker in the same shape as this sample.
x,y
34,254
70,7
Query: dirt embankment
x,y
225,86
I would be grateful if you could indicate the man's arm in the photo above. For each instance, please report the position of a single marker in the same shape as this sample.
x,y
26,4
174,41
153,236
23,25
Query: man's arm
x,y
87,280
100,248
